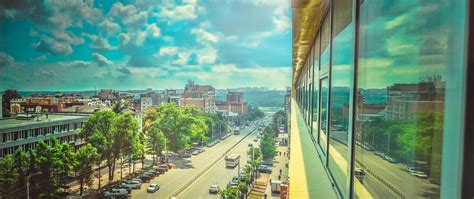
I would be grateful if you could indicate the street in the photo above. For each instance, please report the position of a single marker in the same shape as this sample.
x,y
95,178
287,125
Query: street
x,y
390,172
183,171
219,174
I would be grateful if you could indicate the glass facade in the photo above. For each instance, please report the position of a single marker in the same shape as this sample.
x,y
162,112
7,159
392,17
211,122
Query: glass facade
x,y
376,81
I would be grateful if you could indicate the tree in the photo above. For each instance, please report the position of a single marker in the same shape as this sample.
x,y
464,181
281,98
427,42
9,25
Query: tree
x,y
85,157
8,177
125,137
230,193
254,113
100,131
280,119
6,97
267,144
54,164
21,164
156,141
121,106
179,125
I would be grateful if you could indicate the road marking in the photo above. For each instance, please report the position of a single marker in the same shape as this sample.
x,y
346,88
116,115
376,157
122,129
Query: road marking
x,y
384,169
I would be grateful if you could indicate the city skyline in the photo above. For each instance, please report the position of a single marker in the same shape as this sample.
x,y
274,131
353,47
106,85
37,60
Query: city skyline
x,y
141,44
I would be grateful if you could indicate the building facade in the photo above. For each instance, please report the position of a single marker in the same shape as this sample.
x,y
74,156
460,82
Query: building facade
x,y
380,98
25,132
145,103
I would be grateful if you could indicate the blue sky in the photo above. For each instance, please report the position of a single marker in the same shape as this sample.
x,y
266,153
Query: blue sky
x,y
76,45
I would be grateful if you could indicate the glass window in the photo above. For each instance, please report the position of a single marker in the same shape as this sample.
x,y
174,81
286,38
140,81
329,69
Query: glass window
x,y
323,109
341,93
405,54
315,94
325,44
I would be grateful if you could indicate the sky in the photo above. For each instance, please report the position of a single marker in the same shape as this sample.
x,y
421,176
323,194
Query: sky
x,y
82,45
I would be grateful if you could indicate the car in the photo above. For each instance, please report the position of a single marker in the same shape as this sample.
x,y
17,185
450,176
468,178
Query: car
x,y
258,135
379,153
195,152
116,193
214,189
392,160
164,166
185,155
134,184
264,169
161,170
420,174
155,172
233,184
250,145
145,178
255,140
152,188
126,187
149,174
410,169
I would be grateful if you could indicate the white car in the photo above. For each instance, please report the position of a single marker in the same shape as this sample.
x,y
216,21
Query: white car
x,y
152,188
214,189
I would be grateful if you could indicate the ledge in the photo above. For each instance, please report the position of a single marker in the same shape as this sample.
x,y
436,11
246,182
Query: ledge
x,y
308,178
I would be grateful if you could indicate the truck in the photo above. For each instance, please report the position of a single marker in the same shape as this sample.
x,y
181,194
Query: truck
x,y
275,184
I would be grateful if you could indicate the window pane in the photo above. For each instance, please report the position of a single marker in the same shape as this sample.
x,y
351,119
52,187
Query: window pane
x,y
404,56
341,87
316,86
325,44
323,140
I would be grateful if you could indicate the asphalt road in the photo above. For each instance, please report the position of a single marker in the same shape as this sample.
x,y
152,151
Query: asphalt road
x,y
219,174
392,173
188,168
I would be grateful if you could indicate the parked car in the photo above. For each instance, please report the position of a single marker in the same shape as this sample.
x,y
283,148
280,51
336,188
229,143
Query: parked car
x,y
154,172
164,166
126,187
255,140
233,184
195,152
116,193
185,155
150,174
145,178
420,174
134,184
152,188
214,189
264,169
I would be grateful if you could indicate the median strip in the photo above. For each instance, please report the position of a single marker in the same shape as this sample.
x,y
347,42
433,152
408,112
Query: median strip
x,y
202,172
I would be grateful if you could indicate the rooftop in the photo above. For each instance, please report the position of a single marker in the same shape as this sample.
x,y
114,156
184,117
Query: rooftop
x,y
14,122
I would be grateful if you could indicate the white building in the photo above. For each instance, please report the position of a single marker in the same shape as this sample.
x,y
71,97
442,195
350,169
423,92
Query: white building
x,y
146,102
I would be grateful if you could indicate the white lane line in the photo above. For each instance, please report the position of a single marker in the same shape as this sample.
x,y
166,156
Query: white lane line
x,y
383,168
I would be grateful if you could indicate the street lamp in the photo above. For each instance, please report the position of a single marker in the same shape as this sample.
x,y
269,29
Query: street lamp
x,y
28,184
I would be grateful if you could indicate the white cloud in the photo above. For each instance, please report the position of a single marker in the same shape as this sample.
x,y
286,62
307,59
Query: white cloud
x,y
40,58
100,59
76,64
171,12
101,44
6,60
153,30
110,27
45,74
168,51
124,38
50,45
204,37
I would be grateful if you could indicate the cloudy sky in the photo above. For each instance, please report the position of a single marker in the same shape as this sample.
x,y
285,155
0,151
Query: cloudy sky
x,y
76,45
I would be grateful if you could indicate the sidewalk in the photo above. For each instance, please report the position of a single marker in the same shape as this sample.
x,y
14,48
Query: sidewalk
x,y
280,162
104,173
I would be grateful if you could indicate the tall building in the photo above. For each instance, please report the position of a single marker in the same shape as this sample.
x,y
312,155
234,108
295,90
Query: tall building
x,y
24,132
235,102
201,96
381,99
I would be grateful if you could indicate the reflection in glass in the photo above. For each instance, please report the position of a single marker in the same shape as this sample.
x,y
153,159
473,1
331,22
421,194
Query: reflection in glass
x,y
315,86
341,87
323,109
403,54
325,44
